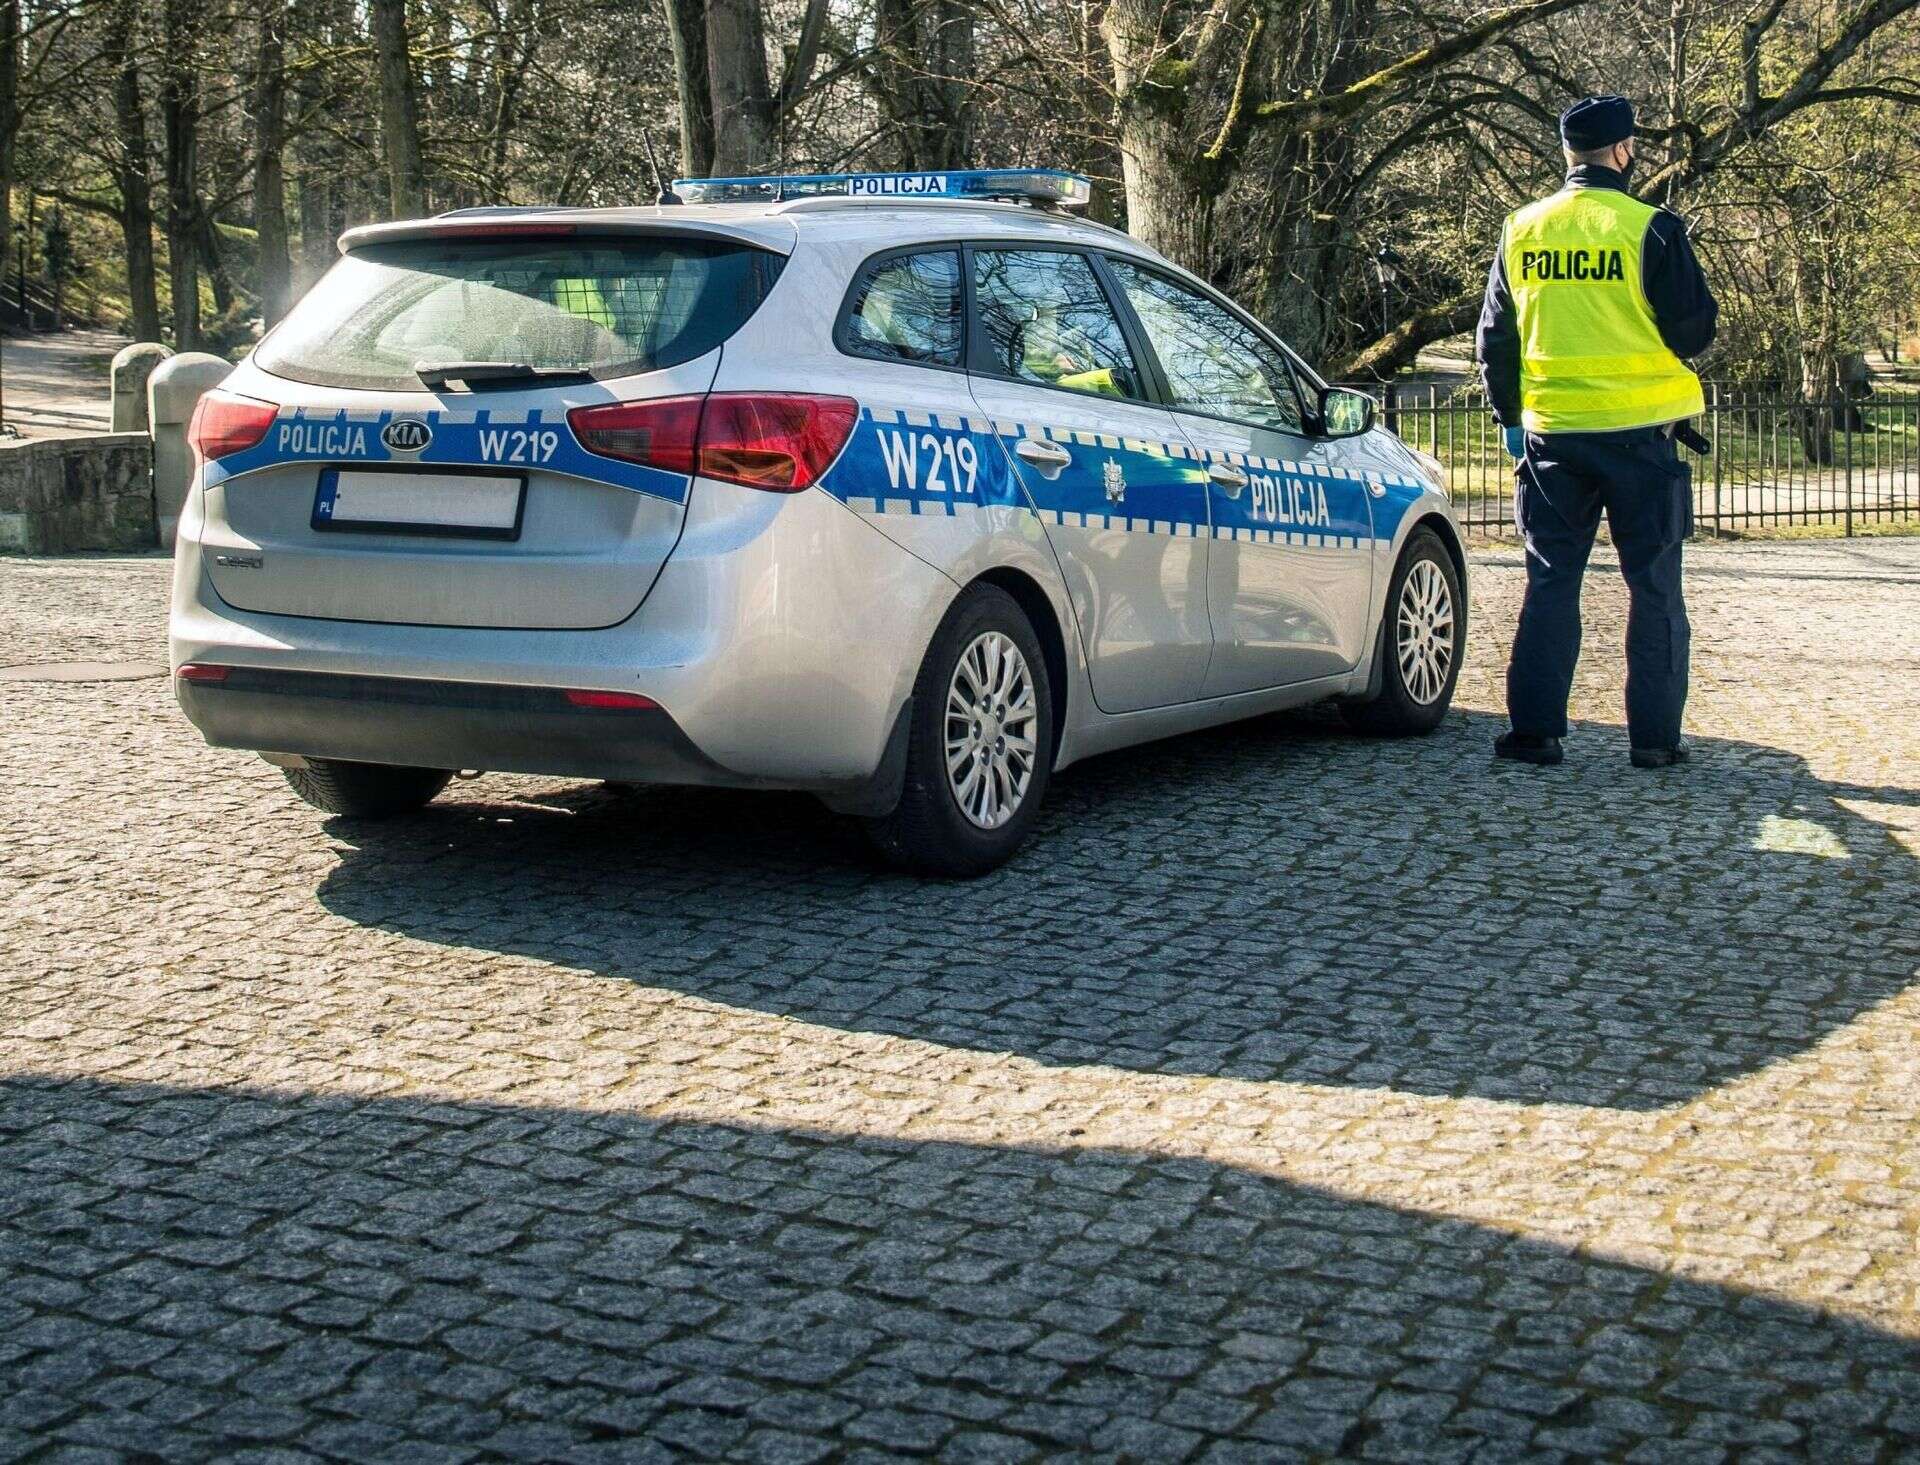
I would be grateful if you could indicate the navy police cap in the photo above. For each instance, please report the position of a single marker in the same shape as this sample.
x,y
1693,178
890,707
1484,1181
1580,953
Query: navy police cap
x,y
1596,122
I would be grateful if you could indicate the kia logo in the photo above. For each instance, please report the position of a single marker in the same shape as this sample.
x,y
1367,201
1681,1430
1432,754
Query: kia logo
x,y
406,434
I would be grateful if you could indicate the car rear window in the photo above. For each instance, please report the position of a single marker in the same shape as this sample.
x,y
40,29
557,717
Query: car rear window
x,y
611,307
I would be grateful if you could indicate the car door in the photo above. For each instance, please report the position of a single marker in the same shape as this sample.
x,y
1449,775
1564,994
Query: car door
x,y
1290,577
1121,497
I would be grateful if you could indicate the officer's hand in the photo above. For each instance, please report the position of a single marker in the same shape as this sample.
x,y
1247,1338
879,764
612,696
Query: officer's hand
x,y
1516,438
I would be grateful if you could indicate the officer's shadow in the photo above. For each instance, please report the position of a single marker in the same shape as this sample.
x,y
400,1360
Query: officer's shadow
x,y
1272,901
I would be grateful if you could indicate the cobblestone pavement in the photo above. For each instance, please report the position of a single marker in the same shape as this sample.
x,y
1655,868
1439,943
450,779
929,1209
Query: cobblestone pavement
x,y
1291,1095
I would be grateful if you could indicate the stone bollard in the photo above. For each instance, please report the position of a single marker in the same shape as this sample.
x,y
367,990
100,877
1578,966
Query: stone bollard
x,y
131,368
172,391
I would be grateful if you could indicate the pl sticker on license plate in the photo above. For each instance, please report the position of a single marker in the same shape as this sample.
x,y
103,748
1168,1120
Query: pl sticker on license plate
x,y
377,501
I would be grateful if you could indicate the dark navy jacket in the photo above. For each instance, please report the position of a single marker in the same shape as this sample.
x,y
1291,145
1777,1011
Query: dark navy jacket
x,y
1684,309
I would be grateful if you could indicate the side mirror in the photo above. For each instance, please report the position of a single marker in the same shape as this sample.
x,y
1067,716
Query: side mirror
x,y
1345,412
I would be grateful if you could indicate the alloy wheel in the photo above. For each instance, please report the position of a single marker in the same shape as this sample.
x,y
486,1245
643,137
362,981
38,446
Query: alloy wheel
x,y
1425,628
991,730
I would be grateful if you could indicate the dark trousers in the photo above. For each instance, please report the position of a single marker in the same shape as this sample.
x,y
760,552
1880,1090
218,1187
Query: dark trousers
x,y
1565,481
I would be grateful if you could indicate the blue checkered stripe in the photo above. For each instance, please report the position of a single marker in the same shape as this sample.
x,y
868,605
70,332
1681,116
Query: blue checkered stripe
x,y
884,470
481,437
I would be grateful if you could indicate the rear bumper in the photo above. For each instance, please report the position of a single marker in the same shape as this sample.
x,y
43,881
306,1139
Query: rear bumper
x,y
427,724
781,640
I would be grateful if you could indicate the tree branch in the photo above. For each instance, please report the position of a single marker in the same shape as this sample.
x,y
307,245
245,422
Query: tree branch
x,y
1405,341
806,52
1759,114
1312,113
1233,125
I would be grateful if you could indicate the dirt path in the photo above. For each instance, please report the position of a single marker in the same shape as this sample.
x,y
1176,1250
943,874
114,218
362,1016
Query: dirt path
x,y
56,385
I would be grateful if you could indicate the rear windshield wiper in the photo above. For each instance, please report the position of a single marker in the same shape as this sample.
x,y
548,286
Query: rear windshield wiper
x,y
474,374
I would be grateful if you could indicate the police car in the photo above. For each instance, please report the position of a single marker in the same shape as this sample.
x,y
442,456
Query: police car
x,y
903,490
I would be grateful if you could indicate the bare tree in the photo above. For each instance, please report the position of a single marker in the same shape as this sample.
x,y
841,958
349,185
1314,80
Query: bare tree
x,y
9,124
687,33
399,113
132,169
180,130
269,117
750,112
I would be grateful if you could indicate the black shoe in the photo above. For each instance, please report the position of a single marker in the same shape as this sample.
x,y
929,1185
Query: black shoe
x,y
1662,757
1527,748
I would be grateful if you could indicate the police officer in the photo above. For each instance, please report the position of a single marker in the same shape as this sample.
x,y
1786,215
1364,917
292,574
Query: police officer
x,y
1594,302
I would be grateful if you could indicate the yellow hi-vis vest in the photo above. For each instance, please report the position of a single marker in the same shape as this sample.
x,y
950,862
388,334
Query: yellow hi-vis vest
x,y
1591,357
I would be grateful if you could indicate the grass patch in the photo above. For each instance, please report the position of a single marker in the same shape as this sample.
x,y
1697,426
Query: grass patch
x,y
1837,529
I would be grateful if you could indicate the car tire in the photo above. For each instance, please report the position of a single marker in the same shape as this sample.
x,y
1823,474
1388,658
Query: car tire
x,y
966,823
365,790
1425,622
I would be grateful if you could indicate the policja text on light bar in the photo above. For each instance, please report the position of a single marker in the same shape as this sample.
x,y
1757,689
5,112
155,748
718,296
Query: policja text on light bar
x,y
1026,185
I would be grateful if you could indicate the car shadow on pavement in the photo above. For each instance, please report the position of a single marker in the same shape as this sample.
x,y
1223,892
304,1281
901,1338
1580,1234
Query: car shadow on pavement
x,y
1271,901
193,1273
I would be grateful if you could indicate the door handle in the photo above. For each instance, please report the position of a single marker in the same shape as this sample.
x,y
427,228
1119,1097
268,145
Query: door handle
x,y
1229,478
1049,458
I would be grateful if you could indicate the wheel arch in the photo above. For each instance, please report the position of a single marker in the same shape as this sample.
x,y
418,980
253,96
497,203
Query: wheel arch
x,y
1449,533
1428,516
1032,598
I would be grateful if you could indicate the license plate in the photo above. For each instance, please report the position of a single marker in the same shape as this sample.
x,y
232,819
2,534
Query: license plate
x,y
423,501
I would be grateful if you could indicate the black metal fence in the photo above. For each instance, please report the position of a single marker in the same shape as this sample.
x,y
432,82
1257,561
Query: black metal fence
x,y
1776,460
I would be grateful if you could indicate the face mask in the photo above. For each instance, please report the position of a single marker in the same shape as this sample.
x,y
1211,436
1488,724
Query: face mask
x,y
1626,168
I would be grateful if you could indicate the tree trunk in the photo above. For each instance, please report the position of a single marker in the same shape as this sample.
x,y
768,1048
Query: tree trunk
x,y
25,261
1169,203
896,92
436,102
180,126
923,65
953,48
687,32
1817,342
1398,348
9,128
1819,401
743,114
317,251
399,116
132,173
513,58
269,168
1170,194
213,256
315,166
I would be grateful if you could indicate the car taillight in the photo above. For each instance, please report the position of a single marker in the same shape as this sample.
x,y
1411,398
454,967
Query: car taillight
x,y
779,441
661,434
224,424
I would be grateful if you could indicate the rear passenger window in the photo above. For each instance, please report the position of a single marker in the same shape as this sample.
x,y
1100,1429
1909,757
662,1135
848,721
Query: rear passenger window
x,y
907,308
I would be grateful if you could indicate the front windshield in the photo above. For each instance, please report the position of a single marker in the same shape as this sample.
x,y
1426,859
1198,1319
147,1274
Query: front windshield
x,y
609,307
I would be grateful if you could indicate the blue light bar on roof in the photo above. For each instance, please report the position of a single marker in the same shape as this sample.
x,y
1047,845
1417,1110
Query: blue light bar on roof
x,y
1026,185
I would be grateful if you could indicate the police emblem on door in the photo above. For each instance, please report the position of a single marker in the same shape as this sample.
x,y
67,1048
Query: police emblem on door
x,y
1115,481
406,435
